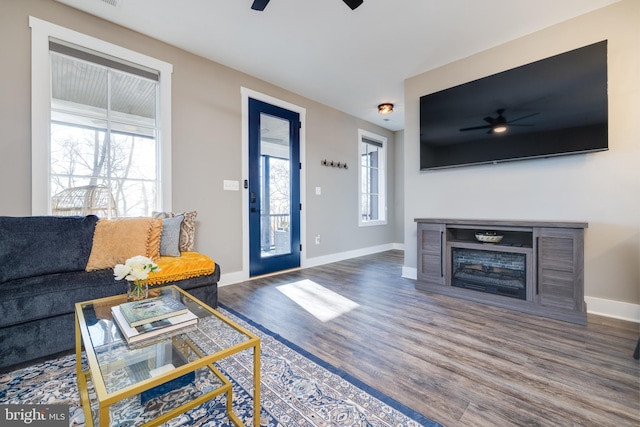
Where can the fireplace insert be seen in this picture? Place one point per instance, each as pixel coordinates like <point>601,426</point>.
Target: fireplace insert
<point>496,272</point>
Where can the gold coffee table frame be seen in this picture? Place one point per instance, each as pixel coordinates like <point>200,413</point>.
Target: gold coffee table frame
<point>180,339</point>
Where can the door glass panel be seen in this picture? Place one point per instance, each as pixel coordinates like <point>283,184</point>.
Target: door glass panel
<point>275,182</point>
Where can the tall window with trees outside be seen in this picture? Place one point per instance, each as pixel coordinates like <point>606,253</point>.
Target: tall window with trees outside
<point>103,135</point>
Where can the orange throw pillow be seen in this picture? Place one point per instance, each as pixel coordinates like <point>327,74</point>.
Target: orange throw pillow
<point>116,240</point>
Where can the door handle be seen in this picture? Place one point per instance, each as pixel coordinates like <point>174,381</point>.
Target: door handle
<point>254,210</point>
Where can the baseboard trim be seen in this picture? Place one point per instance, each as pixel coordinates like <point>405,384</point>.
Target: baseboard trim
<point>410,273</point>
<point>232,278</point>
<point>614,309</point>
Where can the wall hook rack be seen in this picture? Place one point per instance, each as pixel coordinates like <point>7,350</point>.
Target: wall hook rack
<point>334,164</point>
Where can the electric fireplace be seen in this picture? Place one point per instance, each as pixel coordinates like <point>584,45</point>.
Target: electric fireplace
<point>496,272</point>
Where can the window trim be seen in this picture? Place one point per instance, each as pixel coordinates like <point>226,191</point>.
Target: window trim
<point>41,33</point>
<point>364,135</point>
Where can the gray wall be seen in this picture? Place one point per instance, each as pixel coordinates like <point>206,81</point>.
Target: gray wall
<point>602,189</point>
<point>206,138</point>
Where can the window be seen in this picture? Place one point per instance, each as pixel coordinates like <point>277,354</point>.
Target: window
<point>373,183</point>
<point>100,127</point>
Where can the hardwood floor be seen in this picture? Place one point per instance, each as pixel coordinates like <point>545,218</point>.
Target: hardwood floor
<point>456,362</point>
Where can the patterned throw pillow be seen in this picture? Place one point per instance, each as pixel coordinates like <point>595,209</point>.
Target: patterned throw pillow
<point>187,228</point>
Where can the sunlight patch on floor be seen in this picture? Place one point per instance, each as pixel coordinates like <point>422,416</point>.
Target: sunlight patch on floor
<point>322,303</point>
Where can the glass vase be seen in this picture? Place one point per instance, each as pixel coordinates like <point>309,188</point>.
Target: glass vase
<point>137,290</point>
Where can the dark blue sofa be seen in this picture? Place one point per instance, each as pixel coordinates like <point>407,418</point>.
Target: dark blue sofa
<point>42,276</point>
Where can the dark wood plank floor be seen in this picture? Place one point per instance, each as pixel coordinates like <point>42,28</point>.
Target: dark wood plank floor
<point>456,362</point>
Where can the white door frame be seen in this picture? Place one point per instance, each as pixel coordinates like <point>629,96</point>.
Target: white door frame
<point>246,94</point>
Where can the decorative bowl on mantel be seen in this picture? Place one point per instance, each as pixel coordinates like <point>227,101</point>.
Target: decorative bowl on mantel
<point>489,237</point>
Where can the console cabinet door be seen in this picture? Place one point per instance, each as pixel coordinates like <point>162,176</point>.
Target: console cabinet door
<point>560,268</point>
<point>431,253</point>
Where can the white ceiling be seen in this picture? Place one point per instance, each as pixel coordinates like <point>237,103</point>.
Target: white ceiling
<point>351,60</point>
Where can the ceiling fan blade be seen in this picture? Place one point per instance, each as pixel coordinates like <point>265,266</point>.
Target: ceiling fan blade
<point>476,127</point>
<point>523,117</point>
<point>259,4</point>
<point>499,121</point>
<point>353,3</point>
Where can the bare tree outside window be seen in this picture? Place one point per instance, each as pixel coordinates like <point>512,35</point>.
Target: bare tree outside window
<point>280,190</point>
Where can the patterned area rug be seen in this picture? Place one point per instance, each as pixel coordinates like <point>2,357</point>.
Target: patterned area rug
<point>298,389</point>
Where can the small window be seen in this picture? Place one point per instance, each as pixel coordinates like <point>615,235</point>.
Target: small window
<point>373,181</point>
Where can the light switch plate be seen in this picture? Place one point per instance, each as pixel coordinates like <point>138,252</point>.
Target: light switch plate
<point>229,185</point>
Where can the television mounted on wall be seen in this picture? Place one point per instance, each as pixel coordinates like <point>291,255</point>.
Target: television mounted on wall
<point>552,107</point>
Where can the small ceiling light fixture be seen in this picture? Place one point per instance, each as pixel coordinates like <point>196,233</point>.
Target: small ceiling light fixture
<point>385,108</point>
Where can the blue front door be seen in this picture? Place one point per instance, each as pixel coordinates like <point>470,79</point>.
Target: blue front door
<point>274,188</point>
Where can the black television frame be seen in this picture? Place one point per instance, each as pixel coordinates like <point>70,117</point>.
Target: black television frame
<point>563,100</point>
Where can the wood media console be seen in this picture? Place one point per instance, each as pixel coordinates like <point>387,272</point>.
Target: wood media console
<point>536,267</point>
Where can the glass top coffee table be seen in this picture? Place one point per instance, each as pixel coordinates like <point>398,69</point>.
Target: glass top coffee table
<point>130,382</point>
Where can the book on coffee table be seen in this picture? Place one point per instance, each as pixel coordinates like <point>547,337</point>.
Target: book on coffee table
<point>140,371</point>
<point>149,310</point>
<point>151,329</point>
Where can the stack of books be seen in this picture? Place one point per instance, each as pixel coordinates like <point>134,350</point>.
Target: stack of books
<point>141,320</point>
<point>140,371</point>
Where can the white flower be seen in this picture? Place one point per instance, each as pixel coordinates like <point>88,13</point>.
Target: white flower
<point>120,271</point>
<point>135,268</point>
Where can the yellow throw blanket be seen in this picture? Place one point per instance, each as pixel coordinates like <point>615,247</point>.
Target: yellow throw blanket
<point>186,266</point>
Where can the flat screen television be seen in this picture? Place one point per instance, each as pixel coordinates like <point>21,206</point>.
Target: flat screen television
<point>552,107</point>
